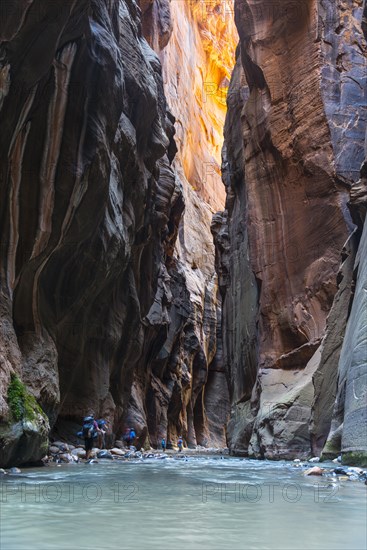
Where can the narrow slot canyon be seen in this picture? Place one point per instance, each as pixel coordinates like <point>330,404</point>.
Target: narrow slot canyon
<point>183,274</point>
<point>183,237</point>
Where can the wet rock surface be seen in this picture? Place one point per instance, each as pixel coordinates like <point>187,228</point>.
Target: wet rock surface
<point>77,455</point>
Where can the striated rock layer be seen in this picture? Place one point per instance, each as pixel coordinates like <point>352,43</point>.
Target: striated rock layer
<point>294,142</point>
<point>109,300</point>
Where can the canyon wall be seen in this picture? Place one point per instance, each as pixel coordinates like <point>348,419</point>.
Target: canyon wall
<point>348,431</point>
<point>190,38</point>
<point>294,144</point>
<point>197,65</point>
<point>109,299</point>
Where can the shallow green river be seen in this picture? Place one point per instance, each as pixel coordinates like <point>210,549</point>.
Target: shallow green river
<point>196,503</point>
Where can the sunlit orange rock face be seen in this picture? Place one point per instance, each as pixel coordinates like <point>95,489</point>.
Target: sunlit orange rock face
<point>293,146</point>
<point>197,64</point>
<point>196,45</point>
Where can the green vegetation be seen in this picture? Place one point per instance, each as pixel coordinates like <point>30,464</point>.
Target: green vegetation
<point>355,458</point>
<point>23,405</point>
<point>16,398</point>
<point>332,447</point>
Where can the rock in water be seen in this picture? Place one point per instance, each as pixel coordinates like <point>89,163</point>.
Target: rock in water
<point>104,454</point>
<point>54,450</point>
<point>66,457</point>
<point>355,470</point>
<point>80,453</point>
<point>118,452</point>
<point>315,471</point>
<point>340,471</point>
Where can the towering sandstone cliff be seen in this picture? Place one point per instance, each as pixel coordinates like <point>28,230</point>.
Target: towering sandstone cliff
<point>294,144</point>
<point>108,298</point>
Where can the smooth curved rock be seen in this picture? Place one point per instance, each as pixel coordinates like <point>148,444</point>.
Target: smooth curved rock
<point>324,378</point>
<point>84,125</point>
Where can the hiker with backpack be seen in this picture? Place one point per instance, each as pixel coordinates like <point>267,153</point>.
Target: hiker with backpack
<point>132,436</point>
<point>89,432</point>
<point>129,437</point>
<point>180,443</point>
<point>103,427</point>
<point>126,437</point>
<point>163,445</point>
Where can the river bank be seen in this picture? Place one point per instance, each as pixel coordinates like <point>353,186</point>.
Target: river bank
<point>61,453</point>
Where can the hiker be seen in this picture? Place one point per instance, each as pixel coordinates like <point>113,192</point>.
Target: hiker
<point>90,431</point>
<point>132,436</point>
<point>163,445</point>
<point>179,443</point>
<point>103,427</point>
<point>126,437</point>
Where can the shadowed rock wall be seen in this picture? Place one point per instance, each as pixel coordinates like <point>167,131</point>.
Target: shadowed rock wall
<point>189,393</point>
<point>348,431</point>
<point>293,147</point>
<point>101,310</point>
<point>87,209</point>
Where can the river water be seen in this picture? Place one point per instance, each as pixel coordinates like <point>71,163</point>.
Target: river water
<point>192,503</point>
